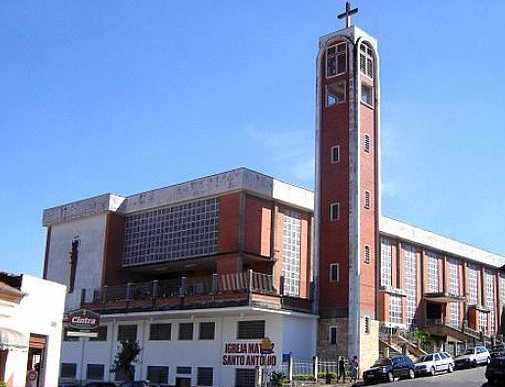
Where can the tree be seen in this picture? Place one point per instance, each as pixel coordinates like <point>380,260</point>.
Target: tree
<point>126,355</point>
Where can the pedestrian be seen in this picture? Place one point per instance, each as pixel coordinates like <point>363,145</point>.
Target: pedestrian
<point>341,368</point>
<point>355,368</point>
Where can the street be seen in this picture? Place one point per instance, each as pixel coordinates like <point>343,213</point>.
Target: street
<point>473,377</point>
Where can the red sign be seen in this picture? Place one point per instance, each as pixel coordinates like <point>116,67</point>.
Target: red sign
<point>83,320</point>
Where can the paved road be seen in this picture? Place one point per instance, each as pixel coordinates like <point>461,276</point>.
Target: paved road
<point>473,377</point>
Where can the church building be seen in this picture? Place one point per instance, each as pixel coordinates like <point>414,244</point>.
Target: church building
<point>223,275</point>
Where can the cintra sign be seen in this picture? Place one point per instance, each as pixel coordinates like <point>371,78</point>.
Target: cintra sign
<point>82,322</point>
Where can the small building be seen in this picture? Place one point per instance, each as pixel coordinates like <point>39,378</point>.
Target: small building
<point>31,315</point>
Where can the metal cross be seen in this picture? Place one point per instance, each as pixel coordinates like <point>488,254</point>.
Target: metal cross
<point>347,14</point>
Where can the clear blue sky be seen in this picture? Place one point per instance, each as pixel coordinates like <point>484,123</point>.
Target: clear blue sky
<point>126,96</point>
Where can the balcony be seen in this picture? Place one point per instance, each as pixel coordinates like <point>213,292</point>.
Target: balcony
<point>215,291</point>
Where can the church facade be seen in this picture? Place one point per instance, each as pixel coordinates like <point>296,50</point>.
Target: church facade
<point>227,274</point>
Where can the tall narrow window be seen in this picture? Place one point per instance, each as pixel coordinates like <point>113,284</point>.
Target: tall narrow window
<point>335,211</point>
<point>366,203</point>
<point>336,60</point>
<point>366,254</point>
<point>454,268</point>
<point>366,145</point>
<point>367,324</point>
<point>291,252</point>
<point>410,264</point>
<point>433,260</point>
<point>386,261</point>
<point>332,335</point>
<point>334,272</point>
<point>490,298</point>
<point>395,309</point>
<point>366,60</point>
<point>473,284</point>
<point>335,154</point>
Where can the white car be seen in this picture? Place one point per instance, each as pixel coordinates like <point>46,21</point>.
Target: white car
<point>473,357</point>
<point>434,363</point>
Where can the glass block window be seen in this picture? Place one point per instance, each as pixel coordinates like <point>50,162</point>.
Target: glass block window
<point>386,261</point>
<point>254,329</point>
<point>432,263</point>
<point>160,331</point>
<point>68,370</point>
<point>473,284</point>
<point>245,377</point>
<point>127,333</point>
<point>453,267</point>
<point>490,297</point>
<point>207,330</point>
<point>205,376</point>
<point>395,309</point>
<point>501,279</point>
<point>171,233</point>
<point>336,60</point>
<point>95,371</point>
<point>291,252</point>
<point>410,282</point>
<point>186,331</point>
<point>483,321</point>
<point>157,374</point>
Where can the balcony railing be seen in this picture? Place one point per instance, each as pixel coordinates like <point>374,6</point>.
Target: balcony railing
<point>244,288</point>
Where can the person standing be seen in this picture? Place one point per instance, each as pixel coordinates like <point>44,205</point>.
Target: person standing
<point>355,369</point>
<point>341,368</point>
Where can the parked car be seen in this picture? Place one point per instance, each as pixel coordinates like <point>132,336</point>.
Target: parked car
<point>495,370</point>
<point>473,357</point>
<point>389,369</point>
<point>434,363</point>
<point>497,350</point>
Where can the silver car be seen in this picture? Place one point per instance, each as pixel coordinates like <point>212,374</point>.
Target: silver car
<point>434,363</point>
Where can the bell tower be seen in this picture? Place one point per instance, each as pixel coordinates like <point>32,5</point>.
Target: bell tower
<point>347,191</point>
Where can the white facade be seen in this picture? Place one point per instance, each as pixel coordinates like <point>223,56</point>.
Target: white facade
<point>40,313</point>
<point>288,332</point>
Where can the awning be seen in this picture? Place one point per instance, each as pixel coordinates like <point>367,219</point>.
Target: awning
<point>13,340</point>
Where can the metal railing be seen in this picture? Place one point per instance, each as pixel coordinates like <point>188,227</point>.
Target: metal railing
<point>244,282</point>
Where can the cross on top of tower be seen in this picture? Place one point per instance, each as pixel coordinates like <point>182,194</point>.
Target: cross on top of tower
<point>347,14</point>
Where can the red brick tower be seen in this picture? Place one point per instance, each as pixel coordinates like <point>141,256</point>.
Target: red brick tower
<point>347,191</point>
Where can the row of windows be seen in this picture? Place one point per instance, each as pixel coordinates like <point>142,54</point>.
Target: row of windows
<point>333,331</point>
<point>334,272</point>
<point>155,374</point>
<point>474,277</point>
<point>335,207</point>
<point>336,93</point>
<point>335,149</point>
<point>336,60</point>
<point>254,329</point>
